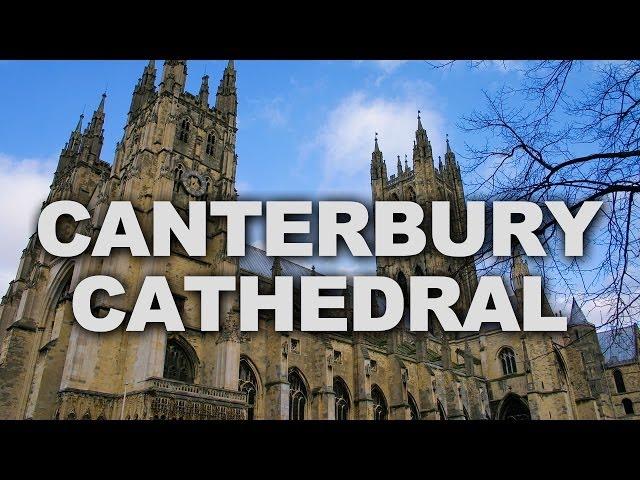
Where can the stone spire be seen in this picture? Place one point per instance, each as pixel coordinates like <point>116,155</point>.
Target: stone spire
<point>72,146</point>
<point>378,167</point>
<point>93,136</point>
<point>204,90</point>
<point>399,166</point>
<point>421,145</point>
<point>227,95</point>
<point>449,156</point>
<point>144,89</point>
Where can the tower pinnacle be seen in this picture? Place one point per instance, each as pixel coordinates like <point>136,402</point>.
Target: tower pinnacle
<point>204,90</point>
<point>226,97</point>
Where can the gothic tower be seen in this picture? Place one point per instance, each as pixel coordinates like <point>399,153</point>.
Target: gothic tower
<point>175,147</point>
<point>423,183</point>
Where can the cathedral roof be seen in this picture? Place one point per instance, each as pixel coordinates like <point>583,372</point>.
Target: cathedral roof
<point>619,345</point>
<point>577,316</point>
<point>257,262</point>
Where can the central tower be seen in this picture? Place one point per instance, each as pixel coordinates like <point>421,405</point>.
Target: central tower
<point>423,183</point>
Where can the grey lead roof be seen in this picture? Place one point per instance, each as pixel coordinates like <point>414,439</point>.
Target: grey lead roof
<point>620,345</point>
<point>257,262</point>
<point>577,315</point>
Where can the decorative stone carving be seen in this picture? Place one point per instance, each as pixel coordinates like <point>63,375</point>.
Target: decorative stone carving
<point>330,359</point>
<point>230,329</point>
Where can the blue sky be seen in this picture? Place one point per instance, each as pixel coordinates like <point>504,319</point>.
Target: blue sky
<point>305,127</point>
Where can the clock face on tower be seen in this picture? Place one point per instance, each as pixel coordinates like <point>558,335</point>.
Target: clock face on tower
<point>194,183</point>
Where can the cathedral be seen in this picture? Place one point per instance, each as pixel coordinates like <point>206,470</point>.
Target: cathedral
<point>179,147</point>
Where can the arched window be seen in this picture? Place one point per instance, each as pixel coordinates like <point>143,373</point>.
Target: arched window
<point>297,396</point>
<point>380,411</point>
<point>418,271</point>
<point>177,176</point>
<point>411,195</point>
<point>342,399</point>
<point>248,384</point>
<point>562,368</point>
<point>413,407</point>
<point>514,408</point>
<point>185,125</point>
<point>441,413</point>
<point>211,141</point>
<point>508,359</point>
<point>177,364</point>
<point>465,413</point>
<point>619,380</point>
<point>628,406</point>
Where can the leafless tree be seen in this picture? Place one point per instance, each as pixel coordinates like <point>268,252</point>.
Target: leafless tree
<point>570,131</point>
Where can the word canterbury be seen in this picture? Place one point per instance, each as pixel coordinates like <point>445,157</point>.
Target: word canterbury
<point>398,232</point>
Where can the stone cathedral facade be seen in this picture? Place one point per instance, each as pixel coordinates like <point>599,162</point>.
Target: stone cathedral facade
<point>179,147</point>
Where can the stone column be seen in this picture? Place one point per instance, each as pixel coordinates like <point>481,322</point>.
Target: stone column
<point>227,363</point>
<point>277,374</point>
<point>362,395</point>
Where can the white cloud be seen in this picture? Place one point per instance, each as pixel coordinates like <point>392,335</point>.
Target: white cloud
<point>386,67</point>
<point>345,141</point>
<point>389,66</point>
<point>24,185</point>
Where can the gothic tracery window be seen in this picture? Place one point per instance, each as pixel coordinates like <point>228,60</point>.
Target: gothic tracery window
<point>342,399</point>
<point>211,141</point>
<point>248,383</point>
<point>297,396</point>
<point>380,411</point>
<point>177,364</point>
<point>413,407</point>
<point>508,359</point>
<point>185,125</point>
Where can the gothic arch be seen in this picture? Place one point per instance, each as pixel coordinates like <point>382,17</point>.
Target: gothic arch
<point>442,414</point>
<point>627,405</point>
<point>181,361</point>
<point>342,399</point>
<point>184,128</point>
<point>619,381</point>
<point>411,194</point>
<point>380,408</point>
<point>298,395</point>
<point>249,382</point>
<point>513,408</point>
<point>59,286</point>
<point>413,407</point>
<point>508,360</point>
<point>418,271</point>
<point>210,143</point>
<point>562,366</point>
